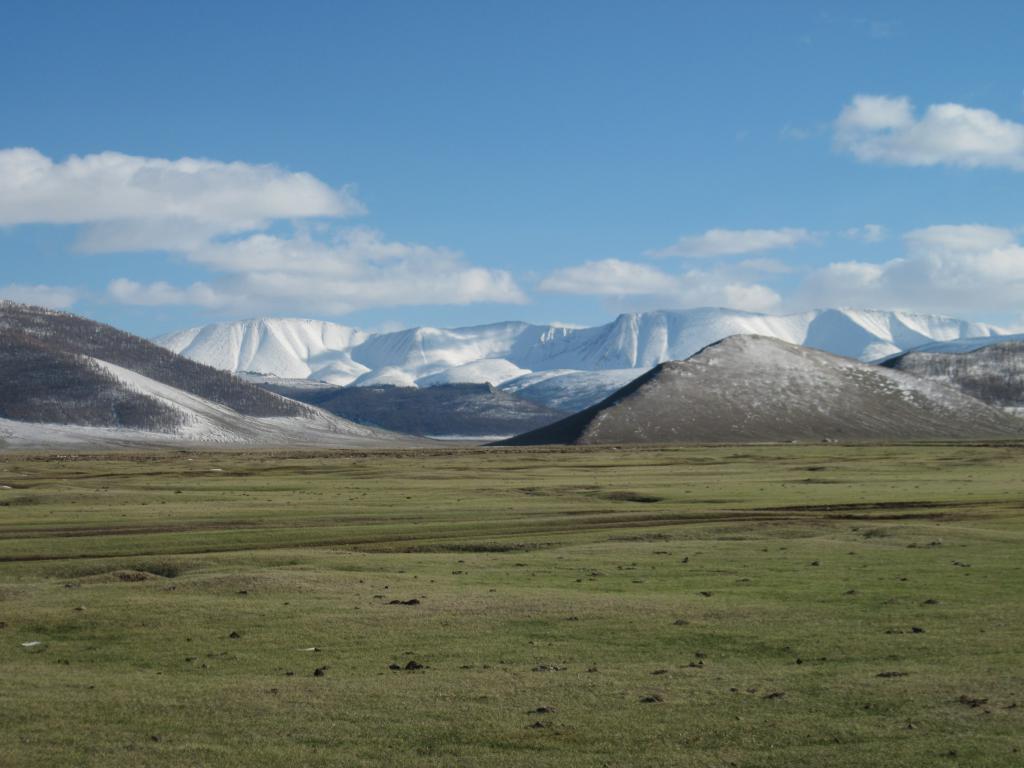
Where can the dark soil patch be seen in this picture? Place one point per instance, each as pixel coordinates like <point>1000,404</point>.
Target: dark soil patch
<point>633,496</point>
<point>971,701</point>
<point>484,546</point>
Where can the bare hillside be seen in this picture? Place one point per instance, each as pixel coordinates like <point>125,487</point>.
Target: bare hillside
<point>754,389</point>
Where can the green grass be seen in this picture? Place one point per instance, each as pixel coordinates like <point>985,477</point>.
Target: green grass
<point>756,592</point>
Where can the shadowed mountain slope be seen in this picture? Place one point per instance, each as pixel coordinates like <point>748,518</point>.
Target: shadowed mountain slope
<point>68,380</point>
<point>70,334</point>
<point>41,384</point>
<point>993,373</point>
<point>466,410</point>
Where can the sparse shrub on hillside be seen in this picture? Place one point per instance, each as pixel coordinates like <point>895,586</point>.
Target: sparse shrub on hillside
<point>62,333</point>
<point>993,374</point>
<point>39,384</point>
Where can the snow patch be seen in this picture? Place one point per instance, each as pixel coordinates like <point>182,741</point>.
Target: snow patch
<point>203,422</point>
<point>491,371</point>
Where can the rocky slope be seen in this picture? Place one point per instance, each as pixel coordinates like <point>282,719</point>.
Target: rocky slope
<point>756,389</point>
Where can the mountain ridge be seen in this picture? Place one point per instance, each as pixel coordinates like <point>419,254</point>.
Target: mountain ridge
<point>759,389</point>
<point>631,340</point>
<point>991,372</point>
<point>70,380</point>
<point>505,352</point>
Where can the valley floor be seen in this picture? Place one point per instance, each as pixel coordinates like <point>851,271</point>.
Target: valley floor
<point>731,606</point>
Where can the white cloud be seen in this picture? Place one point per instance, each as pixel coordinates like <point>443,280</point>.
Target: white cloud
<point>869,233</point>
<point>959,238</point>
<point>694,288</point>
<point>51,296</point>
<point>218,215</point>
<point>733,242</point>
<point>752,297</point>
<point>159,293</point>
<point>174,235</point>
<point>946,269</point>
<point>885,130</point>
<point>355,270</point>
<point>135,203</point>
<point>608,277</point>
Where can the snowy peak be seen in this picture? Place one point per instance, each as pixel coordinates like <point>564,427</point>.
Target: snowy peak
<point>871,334</point>
<point>661,336</point>
<point>426,351</point>
<point>499,352</point>
<point>288,348</point>
<point>966,344</point>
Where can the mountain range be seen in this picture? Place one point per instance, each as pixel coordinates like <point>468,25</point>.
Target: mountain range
<point>69,381</point>
<point>549,364</point>
<point>755,389</point>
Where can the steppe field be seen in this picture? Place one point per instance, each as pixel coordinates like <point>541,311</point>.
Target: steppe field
<point>797,605</point>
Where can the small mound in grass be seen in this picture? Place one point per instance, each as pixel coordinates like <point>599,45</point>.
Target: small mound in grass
<point>122,574</point>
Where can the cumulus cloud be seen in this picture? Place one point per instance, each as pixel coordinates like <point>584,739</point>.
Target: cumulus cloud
<point>733,242</point>
<point>619,279</point>
<point>51,296</point>
<point>357,269</point>
<point>608,277</point>
<point>134,203</point>
<point>219,215</point>
<point>944,269</point>
<point>959,239</point>
<point>884,129</point>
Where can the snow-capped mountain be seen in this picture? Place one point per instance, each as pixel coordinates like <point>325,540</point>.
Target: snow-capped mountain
<point>502,353</point>
<point>286,348</point>
<point>967,344</point>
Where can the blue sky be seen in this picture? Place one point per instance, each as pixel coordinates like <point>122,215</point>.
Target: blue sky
<point>403,163</point>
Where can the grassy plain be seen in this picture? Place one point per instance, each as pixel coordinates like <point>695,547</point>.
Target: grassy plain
<point>731,606</point>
